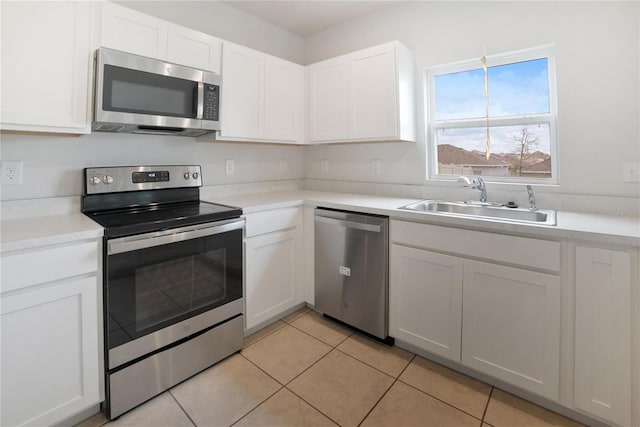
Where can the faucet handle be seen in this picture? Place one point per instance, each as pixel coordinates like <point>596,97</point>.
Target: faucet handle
<point>466,181</point>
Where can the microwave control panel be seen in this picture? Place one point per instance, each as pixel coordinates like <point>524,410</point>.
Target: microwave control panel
<point>211,102</point>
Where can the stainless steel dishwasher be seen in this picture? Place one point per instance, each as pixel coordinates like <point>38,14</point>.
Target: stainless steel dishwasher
<point>351,269</point>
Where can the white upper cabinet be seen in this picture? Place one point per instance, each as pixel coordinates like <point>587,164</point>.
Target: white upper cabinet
<point>46,58</point>
<point>283,99</point>
<point>366,95</point>
<point>328,101</point>
<point>193,49</point>
<point>135,32</point>
<point>262,97</point>
<point>241,98</point>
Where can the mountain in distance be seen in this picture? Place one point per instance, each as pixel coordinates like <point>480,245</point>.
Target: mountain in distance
<point>450,154</point>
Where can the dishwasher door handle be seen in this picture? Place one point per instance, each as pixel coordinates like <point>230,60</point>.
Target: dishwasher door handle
<point>349,224</point>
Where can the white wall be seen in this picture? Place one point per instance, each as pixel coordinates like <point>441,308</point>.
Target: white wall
<point>53,164</point>
<point>597,48</point>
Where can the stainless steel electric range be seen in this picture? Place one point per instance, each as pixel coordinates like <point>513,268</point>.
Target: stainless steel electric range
<point>173,270</point>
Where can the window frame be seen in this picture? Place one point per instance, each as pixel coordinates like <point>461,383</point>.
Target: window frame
<point>551,118</point>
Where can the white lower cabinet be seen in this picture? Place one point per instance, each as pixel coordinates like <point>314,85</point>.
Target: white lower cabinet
<point>502,321</point>
<point>51,339</point>
<point>604,334</point>
<point>426,300</point>
<point>274,264</point>
<point>511,326</point>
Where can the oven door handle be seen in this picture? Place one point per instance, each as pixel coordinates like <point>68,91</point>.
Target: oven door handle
<point>148,240</point>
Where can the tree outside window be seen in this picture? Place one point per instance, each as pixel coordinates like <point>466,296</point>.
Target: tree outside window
<point>504,129</point>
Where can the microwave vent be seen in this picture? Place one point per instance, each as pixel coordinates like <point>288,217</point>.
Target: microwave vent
<point>108,127</point>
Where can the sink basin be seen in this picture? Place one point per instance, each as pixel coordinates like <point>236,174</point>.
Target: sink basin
<point>484,210</point>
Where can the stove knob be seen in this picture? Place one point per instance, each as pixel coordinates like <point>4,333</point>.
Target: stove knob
<point>186,175</point>
<point>107,179</point>
<point>195,175</point>
<point>94,180</point>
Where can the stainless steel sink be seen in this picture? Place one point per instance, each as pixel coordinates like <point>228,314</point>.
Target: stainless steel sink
<point>484,210</point>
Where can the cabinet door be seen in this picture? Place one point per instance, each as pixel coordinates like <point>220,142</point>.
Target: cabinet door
<point>425,300</point>
<point>273,275</point>
<point>49,352</point>
<point>46,57</point>
<point>603,333</point>
<point>131,31</point>
<point>511,326</point>
<point>373,95</point>
<point>193,49</point>
<point>328,101</point>
<point>242,95</point>
<point>283,106</point>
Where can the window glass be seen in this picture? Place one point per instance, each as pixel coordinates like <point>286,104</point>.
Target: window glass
<point>512,139</point>
<point>518,151</point>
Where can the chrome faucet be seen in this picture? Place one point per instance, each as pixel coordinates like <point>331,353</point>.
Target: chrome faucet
<point>476,184</point>
<point>532,199</point>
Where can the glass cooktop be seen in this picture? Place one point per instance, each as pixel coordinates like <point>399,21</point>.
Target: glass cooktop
<point>155,218</point>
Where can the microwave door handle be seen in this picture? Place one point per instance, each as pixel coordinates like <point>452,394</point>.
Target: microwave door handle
<point>200,101</point>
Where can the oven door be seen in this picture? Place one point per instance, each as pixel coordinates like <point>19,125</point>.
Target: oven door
<point>164,286</point>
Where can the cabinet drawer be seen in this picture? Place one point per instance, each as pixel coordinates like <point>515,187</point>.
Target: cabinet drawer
<point>274,220</point>
<point>31,268</point>
<point>528,252</point>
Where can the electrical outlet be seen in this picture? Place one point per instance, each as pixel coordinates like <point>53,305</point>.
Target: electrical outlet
<point>11,172</point>
<point>284,166</point>
<point>375,167</point>
<point>631,171</point>
<point>324,166</point>
<point>230,167</point>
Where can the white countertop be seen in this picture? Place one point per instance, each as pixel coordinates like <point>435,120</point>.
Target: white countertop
<point>36,231</point>
<point>32,232</point>
<point>574,225</point>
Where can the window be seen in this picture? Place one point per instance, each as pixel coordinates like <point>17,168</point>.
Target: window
<point>494,116</point>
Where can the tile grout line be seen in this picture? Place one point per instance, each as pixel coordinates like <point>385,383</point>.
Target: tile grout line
<point>314,337</point>
<point>266,335</point>
<point>260,369</point>
<point>300,397</point>
<point>395,380</point>
<point>440,400</point>
<point>183,410</point>
<point>371,366</point>
<point>258,405</point>
<point>486,407</point>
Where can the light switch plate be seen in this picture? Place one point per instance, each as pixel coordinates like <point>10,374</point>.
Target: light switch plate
<point>375,167</point>
<point>230,167</point>
<point>324,166</point>
<point>631,171</point>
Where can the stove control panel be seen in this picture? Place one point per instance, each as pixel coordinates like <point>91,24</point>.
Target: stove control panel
<point>136,178</point>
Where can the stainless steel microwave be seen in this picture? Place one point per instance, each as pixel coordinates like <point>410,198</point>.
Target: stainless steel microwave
<point>135,94</point>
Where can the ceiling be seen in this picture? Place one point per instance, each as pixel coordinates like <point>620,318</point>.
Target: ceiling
<point>307,17</point>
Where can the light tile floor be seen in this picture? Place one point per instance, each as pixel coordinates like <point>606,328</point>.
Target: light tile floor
<point>307,371</point>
